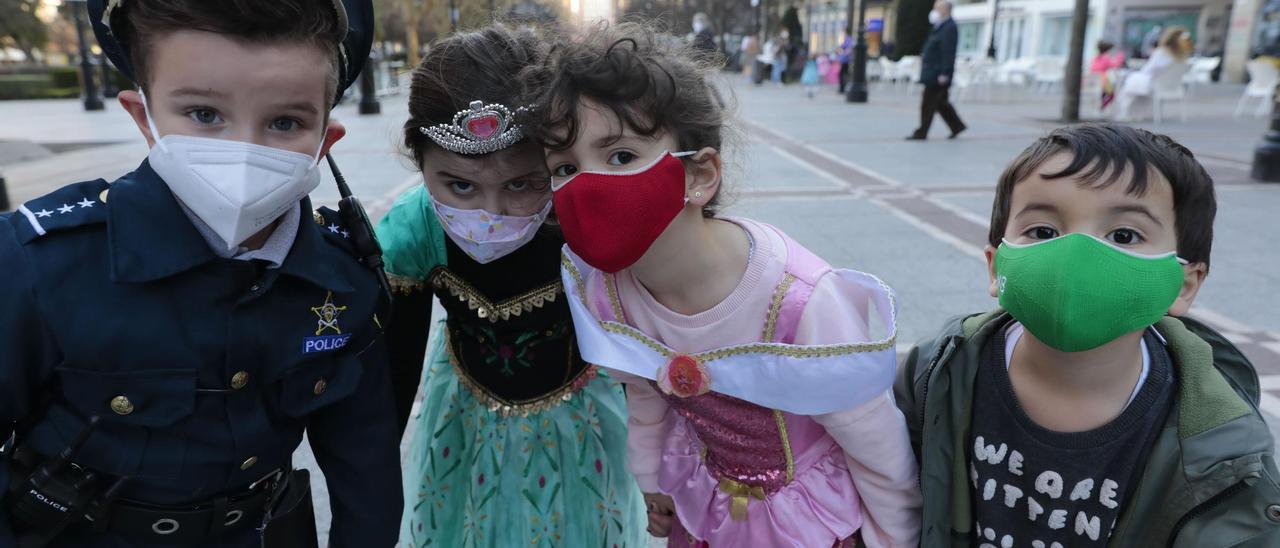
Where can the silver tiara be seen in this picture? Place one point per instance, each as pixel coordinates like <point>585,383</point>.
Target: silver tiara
<point>480,129</point>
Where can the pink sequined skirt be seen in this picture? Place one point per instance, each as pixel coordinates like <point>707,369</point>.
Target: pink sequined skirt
<point>818,508</point>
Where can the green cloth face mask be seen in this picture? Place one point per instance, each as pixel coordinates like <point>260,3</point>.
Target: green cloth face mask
<point>1077,292</point>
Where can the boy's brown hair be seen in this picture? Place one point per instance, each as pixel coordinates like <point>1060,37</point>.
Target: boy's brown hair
<point>253,21</point>
<point>1104,154</point>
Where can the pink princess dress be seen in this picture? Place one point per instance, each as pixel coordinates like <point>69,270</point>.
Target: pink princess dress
<point>769,419</point>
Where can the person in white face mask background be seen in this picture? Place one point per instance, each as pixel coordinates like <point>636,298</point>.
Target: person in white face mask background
<point>938,62</point>
<point>194,317</point>
<point>504,366</point>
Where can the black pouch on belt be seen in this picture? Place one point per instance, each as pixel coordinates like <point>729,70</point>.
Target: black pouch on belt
<point>291,522</point>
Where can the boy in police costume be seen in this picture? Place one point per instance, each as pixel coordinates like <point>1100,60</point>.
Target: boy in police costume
<point>168,336</point>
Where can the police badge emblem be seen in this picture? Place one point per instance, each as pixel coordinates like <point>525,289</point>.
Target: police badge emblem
<point>327,320</point>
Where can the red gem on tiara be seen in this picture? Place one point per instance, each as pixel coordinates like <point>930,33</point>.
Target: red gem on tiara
<point>484,126</point>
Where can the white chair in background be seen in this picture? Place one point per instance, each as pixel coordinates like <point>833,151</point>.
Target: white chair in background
<point>961,80</point>
<point>1091,92</point>
<point>1263,77</point>
<point>909,70</point>
<point>1016,71</point>
<point>888,70</point>
<point>1048,72</point>
<point>1202,70</point>
<point>1167,86</point>
<point>874,72</point>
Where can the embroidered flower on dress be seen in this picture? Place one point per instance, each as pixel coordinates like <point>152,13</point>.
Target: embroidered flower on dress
<point>684,376</point>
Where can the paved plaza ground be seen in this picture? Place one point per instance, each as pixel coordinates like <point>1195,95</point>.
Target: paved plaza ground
<point>839,178</point>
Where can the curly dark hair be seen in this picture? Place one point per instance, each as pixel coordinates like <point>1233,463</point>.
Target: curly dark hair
<point>653,83</point>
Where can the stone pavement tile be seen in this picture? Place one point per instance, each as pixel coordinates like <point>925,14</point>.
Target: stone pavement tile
<point>63,121</point>
<point>937,163</point>
<point>12,152</point>
<point>933,280</point>
<point>759,167</point>
<point>27,180</point>
<point>1244,279</point>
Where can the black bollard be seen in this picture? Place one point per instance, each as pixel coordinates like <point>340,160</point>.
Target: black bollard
<point>368,92</point>
<point>1266,157</point>
<point>90,89</point>
<point>4,195</point>
<point>858,68</point>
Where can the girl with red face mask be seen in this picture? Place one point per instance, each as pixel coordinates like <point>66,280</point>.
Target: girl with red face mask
<point>758,377</point>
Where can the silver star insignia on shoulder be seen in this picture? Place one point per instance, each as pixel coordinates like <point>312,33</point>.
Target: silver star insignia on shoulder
<point>44,213</point>
<point>84,203</point>
<point>65,209</point>
<point>333,228</point>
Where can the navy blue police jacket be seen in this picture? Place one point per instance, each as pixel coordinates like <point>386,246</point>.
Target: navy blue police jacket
<point>204,371</point>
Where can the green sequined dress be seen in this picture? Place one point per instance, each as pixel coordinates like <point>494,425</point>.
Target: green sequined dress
<point>517,441</point>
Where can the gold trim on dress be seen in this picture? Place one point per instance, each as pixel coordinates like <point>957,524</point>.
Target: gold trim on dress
<point>777,349</point>
<point>523,408</point>
<point>488,310</point>
<point>404,285</point>
<point>786,444</point>
<point>611,285</point>
<point>775,308</point>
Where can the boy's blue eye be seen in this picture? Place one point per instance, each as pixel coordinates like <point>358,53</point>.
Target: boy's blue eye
<point>203,116</point>
<point>284,124</point>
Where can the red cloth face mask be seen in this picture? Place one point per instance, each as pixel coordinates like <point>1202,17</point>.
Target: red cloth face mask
<point>610,218</point>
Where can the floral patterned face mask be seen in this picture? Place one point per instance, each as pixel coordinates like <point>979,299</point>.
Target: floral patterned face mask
<point>484,236</point>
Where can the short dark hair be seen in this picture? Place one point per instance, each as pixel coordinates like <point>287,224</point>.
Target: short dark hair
<point>652,84</point>
<point>471,66</point>
<point>1103,154</point>
<point>254,21</point>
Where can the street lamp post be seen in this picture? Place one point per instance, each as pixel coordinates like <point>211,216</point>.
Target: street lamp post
<point>453,17</point>
<point>89,87</point>
<point>995,12</point>
<point>858,80</point>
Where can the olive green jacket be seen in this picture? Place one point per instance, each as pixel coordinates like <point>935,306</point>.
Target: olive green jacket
<point>1210,480</point>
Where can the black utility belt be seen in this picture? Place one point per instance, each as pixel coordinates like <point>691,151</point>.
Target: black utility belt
<point>191,524</point>
<point>49,497</point>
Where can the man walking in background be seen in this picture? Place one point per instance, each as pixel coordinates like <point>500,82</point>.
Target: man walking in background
<point>938,60</point>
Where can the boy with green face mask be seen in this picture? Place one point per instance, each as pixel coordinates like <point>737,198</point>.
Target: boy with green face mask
<point>1087,411</point>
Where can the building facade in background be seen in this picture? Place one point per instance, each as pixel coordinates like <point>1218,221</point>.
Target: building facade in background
<point>1040,28</point>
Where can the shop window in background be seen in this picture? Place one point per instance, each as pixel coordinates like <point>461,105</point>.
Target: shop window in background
<point>1055,35</point>
<point>970,37</point>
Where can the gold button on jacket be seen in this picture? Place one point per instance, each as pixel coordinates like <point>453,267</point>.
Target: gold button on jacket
<point>121,405</point>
